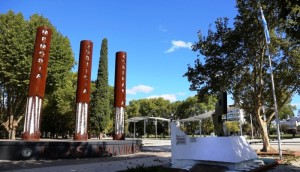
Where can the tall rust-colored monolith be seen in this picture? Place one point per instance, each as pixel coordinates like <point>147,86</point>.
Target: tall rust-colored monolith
<point>37,84</point>
<point>120,95</point>
<point>83,90</point>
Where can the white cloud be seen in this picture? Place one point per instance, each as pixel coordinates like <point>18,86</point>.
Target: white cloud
<point>179,44</point>
<point>162,28</point>
<point>139,88</point>
<point>171,97</point>
<point>181,93</point>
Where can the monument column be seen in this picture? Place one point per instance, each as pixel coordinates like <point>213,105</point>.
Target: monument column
<point>83,89</point>
<point>37,84</point>
<point>120,95</point>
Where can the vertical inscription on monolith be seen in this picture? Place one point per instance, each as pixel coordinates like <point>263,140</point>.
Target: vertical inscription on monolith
<point>37,84</point>
<point>120,95</point>
<point>83,89</point>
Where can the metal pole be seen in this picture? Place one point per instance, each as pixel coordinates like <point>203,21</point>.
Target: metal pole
<point>134,130</point>
<point>272,80</point>
<point>155,128</point>
<point>169,128</point>
<point>144,127</point>
<point>200,127</point>
<point>275,105</point>
<point>251,126</point>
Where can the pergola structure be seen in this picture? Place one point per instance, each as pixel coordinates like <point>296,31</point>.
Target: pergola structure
<point>207,115</point>
<point>193,118</point>
<point>198,118</point>
<point>145,118</point>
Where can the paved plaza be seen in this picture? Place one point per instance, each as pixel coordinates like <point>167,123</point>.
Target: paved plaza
<point>155,152</point>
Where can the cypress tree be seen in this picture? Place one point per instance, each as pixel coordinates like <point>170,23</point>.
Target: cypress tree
<point>100,110</point>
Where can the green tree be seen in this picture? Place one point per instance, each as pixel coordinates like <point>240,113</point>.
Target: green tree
<point>158,107</point>
<point>232,126</point>
<point>14,69</point>
<point>235,60</point>
<point>16,48</point>
<point>100,107</point>
<point>154,107</point>
<point>59,108</point>
<point>207,126</point>
<point>246,127</point>
<point>192,106</point>
<point>289,14</point>
<point>59,102</point>
<point>287,111</point>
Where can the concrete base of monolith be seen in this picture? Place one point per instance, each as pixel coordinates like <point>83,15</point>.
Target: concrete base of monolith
<point>66,149</point>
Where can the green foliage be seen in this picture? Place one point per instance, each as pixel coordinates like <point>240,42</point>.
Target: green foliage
<point>287,111</point>
<point>207,126</point>
<point>59,103</point>
<point>156,107</point>
<point>246,127</point>
<point>235,59</point>
<point>100,104</point>
<point>17,37</point>
<point>15,61</point>
<point>232,126</point>
<point>289,12</point>
<point>159,107</point>
<point>59,108</point>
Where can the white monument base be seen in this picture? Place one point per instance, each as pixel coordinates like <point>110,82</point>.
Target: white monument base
<point>233,152</point>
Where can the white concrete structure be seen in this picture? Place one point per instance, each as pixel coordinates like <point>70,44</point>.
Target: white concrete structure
<point>233,152</point>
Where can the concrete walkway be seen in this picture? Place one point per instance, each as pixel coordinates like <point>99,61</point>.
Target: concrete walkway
<point>155,153</point>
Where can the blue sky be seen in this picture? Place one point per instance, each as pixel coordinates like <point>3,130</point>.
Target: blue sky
<point>156,34</point>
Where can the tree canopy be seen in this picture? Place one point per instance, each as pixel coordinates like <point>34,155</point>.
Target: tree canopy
<point>235,60</point>
<point>159,107</point>
<point>17,37</point>
<point>100,104</point>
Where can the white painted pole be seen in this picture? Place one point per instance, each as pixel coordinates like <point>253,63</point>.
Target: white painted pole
<point>272,80</point>
<point>275,106</point>
<point>251,126</point>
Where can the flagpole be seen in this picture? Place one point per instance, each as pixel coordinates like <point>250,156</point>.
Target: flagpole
<point>275,106</point>
<point>273,85</point>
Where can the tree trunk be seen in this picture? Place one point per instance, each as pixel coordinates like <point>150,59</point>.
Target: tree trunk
<point>265,137</point>
<point>11,125</point>
<point>12,133</point>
